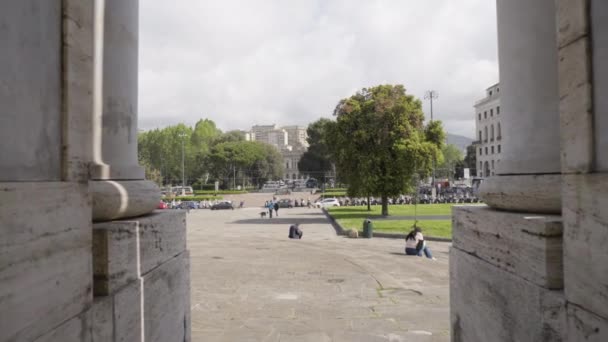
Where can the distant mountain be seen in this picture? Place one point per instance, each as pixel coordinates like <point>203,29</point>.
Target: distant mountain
<point>460,141</point>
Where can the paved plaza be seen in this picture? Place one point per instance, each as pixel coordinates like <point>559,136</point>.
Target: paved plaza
<point>251,283</point>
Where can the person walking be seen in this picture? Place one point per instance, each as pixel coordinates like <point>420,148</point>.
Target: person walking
<point>276,208</point>
<point>415,244</point>
<point>270,208</point>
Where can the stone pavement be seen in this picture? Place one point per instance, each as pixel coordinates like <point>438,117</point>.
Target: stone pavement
<point>251,283</point>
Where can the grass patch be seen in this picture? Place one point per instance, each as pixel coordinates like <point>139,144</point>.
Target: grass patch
<point>433,228</point>
<point>393,210</point>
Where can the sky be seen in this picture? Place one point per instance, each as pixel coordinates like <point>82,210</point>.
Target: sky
<point>289,62</point>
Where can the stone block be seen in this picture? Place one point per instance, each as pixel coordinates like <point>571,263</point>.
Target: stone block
<point>585,216</point>
<point>118,317</point>
<point>522,244</point>
<point>125,250</point>
<point>572,20</point>
<point>584,326</point>
<point>167,301</point>
<point>490,304</point>
<point>576,107</point>
<point>45,257</point>
<point>77,329</point>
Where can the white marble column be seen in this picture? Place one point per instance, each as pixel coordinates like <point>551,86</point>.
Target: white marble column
<point>118,185</point>
<point>528,177</point>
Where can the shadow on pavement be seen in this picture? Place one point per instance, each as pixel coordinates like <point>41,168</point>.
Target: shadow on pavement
<point>281,220</point>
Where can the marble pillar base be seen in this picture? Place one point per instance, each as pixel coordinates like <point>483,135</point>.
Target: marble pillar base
<point>114,200</point>
<point>523,193</point>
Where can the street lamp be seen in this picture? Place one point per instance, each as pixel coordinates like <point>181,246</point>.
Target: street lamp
<point>183,136</point>
<point>431,95</point>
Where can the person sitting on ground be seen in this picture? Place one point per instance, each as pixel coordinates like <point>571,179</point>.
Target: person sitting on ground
<point>415,244</point>
<point>295,232</point>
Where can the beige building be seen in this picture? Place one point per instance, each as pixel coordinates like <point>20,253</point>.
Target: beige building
<point>290,140</point>
<point>489,141</point>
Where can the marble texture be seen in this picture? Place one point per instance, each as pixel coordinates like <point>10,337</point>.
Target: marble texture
<point>527,245</point>
<point>30,91</point>
<point>490,304</point>
<point>585,240</point>
<point>45,256</point>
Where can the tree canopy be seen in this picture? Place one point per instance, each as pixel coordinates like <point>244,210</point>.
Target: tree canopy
<point>379,141</point>
<point>209,155</point>
<point>317,159</point>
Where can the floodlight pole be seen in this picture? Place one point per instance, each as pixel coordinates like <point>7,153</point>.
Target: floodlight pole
<point>430,95</point>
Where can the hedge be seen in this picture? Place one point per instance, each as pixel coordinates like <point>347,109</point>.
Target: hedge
<point>221,192</point>
<point>194,198</point>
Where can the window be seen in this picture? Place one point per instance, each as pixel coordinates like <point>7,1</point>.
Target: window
<point>485,135</point>
<point>492,133</point>
<point>287,165</point>
<point>480,165</point>
<point>492,112</point>
<point>492,165</point>
<point>497,90</point>
<point>498,135</point>
<point>490,93</point>
<point>479,136</point>
<point>485,115</point>
<point>498,148</point>
<point>486,150</point>
<point>497,110</point>
<point>492,148</point>
<point>480,151</point>
<point>479,115</point>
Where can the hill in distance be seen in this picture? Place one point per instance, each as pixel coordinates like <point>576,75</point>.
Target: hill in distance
<point>458,140</point>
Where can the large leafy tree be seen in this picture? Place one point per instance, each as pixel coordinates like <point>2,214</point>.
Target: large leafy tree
<point>317,159</point>
<point>380,141</point>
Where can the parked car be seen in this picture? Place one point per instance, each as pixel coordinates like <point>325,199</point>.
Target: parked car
<point>222,205</point>
<point>328,202</point>
<point>188,205</point>
<point>285,203</point>
<point>162,205</point>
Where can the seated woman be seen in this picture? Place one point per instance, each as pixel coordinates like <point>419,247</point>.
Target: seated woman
<point>295,232</point>
<point>415,244</point>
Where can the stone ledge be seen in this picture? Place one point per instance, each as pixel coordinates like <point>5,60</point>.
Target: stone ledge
<point>45,256</point>
<point>585,240</point>
<point>125,250</point>
<point>525,245</point>
<point>490,304</point>
<point>523,193</point>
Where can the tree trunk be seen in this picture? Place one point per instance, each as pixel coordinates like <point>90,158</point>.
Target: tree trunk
<point>369,206</point>
<point>384,205</point>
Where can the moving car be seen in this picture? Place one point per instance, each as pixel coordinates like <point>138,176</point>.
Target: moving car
<point>222,205</point>
<point>328,202</point>
<point>162,205</point>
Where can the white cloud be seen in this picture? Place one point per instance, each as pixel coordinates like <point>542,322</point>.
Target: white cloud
<point>244,62</point>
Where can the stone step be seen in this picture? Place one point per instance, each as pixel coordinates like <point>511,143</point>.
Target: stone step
<point>524,244</point>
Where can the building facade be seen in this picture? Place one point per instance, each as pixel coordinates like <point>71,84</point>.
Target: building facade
<point>488,132</point>
<point>289,140</point>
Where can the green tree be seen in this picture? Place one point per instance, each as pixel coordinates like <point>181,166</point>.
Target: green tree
<point>470,160</point>
<point>452,159</point>
<point>317,159</point>
<point>379,142</point>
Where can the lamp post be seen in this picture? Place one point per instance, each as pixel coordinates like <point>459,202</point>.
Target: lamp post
<point>183,136</point>
<point>431,95</point>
